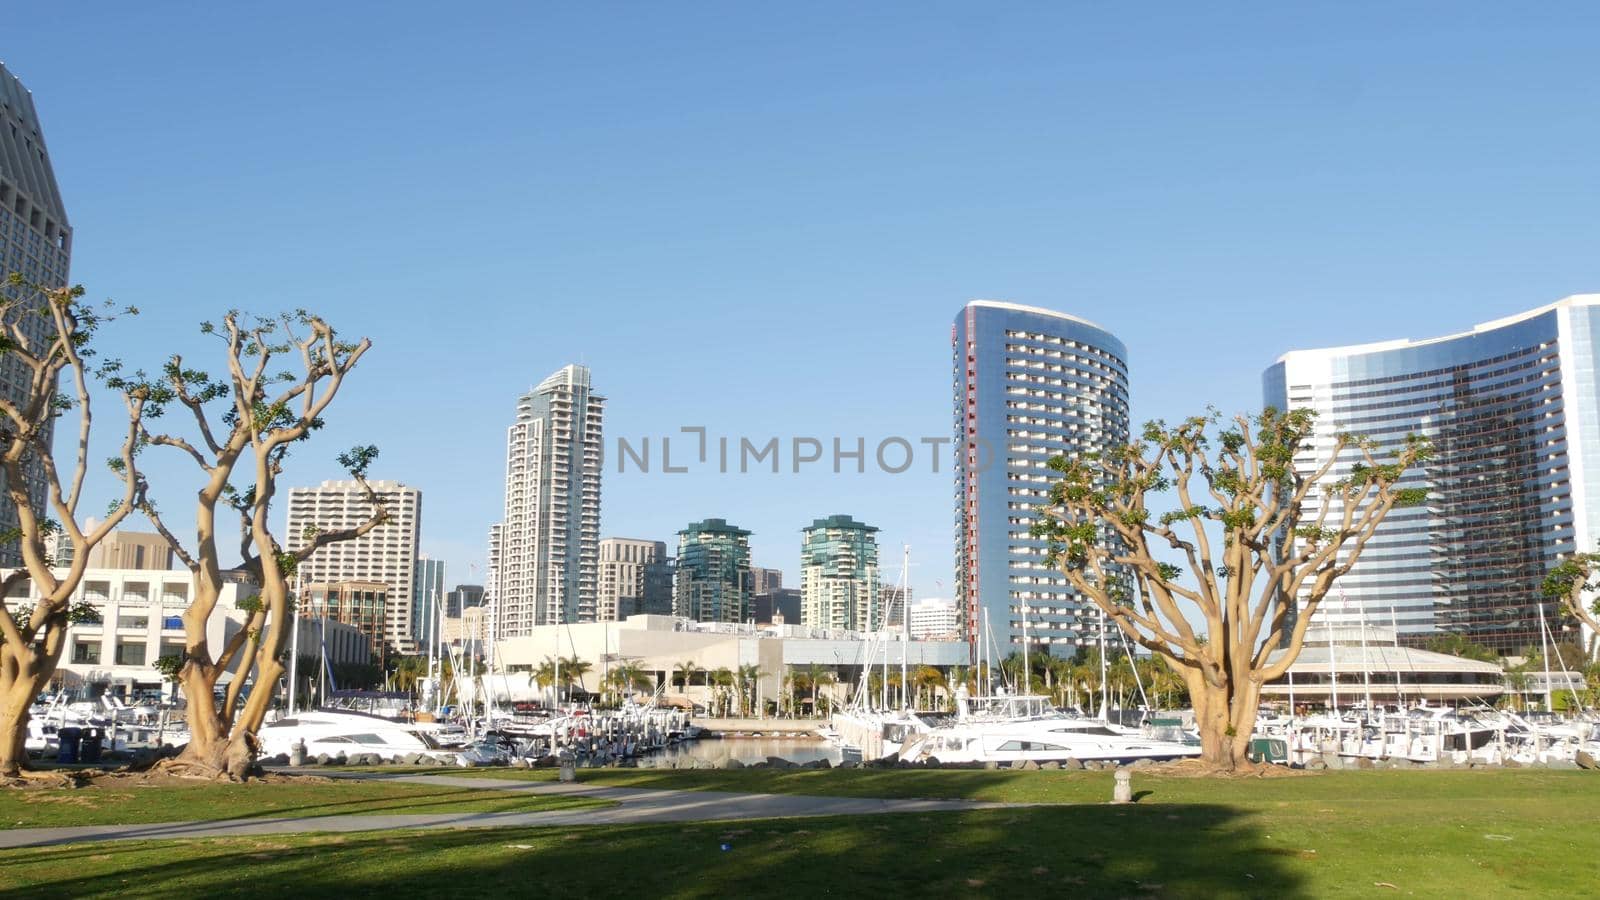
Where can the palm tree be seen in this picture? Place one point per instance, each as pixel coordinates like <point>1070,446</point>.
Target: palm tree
<point>930,680</point>
<point>723,679</point>
<point>408,671</point>
<point>685,672</point>
<point>545,674</point>
<point>573,669</point>
<point>748,675</point>
<point>629,677</point>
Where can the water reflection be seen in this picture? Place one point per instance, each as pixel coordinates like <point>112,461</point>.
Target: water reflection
<point>752,750</point>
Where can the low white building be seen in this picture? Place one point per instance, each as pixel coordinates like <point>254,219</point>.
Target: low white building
<point>660,645</point>
<point>140,620</point>
<point>935,619</point>
<point>1357,662</point>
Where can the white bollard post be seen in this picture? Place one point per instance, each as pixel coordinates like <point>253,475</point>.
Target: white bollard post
<point>1122,792</point>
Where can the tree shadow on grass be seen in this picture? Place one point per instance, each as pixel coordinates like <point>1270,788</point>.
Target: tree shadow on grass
<point>1195,851</point>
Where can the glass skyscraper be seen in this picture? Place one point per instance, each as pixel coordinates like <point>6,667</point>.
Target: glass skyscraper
<point>543,558</point>
<point>1030,384</point>
<point>1513,413</point>
<point>713,578</point>
<point>36,242</point>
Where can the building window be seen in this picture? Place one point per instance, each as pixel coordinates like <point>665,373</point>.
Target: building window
<point>86,652</point>
<point>130,653</point>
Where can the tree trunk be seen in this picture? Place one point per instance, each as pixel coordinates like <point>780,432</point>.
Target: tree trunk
<point>20,683</point>
<point>13,732</point>
<point>1225,719</point>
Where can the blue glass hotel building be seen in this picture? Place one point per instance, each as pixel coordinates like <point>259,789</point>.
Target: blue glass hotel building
<point>1513,412</point>
<point>1030,384</point>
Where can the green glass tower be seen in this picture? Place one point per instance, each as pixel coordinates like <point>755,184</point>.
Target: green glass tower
<point>839,575</point>
<point>713,580</point>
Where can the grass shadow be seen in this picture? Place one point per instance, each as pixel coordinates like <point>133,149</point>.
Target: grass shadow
<point>1215,851</point>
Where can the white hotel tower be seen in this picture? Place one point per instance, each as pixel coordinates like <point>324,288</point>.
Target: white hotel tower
<point>544,555</point>
<point>385,555</point>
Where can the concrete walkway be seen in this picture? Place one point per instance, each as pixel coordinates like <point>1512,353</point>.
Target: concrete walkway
<point>633,806</point>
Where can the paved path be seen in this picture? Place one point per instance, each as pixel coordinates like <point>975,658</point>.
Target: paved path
<point>632,805</point>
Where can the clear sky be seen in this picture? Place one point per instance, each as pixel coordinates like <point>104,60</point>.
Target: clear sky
<point>762,219</point>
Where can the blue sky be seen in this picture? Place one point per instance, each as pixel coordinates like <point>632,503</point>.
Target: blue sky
<point>763,220</point>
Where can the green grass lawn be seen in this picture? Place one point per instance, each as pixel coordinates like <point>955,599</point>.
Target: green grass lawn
<point>131,804</point>
<point>1433,834</point>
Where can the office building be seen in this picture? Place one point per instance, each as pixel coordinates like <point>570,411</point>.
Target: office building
<point>933,619</point>
<point>763,581</point>
<point>779,606</point>
<point>36,242</point>
<point>1512,410</point>
<point>839,575</point>
<point>546,552</point>
<point>635,578</point>
<point>893,599</point>
<point>385,555</point>
<point>713,576</point>
<point>363,605</point>
<point>465,596</point>
<point>1030,384</point>
<point>427,599</point>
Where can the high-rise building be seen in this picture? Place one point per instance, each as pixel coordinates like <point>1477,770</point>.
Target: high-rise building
<point>839,575</point>
<point>548,545</point>
<point>764,581</point>
<point>465,596</point>
<point>713,577</point>
<point>893,599</point>
<point>35,242</point>
<point>635,579</point>
<point>934,620</point>
<point>427,596</point>
<point>361,604</point>
<point>1030,384</point>
<point>1512,410</point>
<point>385,555</point>
<point>776,605</point>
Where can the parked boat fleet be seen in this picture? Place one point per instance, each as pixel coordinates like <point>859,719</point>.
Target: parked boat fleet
<point>587,736</point>
<point>1005,729</point>
<point>1439,734</point>
<point>1011,730</point>
<point>383,728</point>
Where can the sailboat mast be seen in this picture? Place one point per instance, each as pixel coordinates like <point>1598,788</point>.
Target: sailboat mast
<point>905,626</point>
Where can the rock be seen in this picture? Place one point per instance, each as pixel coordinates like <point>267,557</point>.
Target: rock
<point>824,764</point>
<point>1317,764</point>
<point>848,764</point>
<point>1586,760</point>
<point>991,764</point>
<point>731,763</point>
<point>933,763</point>
<point>1073,763</point>
<point>1030,766</point>
<point>1511,763</point>
<point>1563,764</point>
<point>778,762</point>
<point>322,759</point>
<point>1143,763</point>
<point>1050,766</point>
<point>1363,763</point>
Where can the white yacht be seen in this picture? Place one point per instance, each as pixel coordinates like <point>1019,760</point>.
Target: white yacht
<point>339,731</point>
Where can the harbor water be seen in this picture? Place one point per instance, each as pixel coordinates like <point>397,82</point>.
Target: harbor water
<point>751,750</point>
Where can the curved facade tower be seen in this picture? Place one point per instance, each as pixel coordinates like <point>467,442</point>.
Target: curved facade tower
<point>1513,412</point>
<point>1030,384</point>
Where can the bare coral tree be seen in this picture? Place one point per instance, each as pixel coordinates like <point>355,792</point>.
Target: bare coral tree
<point>244,424</point>
<point>1251,557</point>
<point>1574,583</point>
<point>53,361</point>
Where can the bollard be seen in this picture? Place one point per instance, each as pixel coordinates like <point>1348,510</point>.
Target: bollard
<point>1123,791</point>
<point>569,772</point>
<point>297,753</point>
